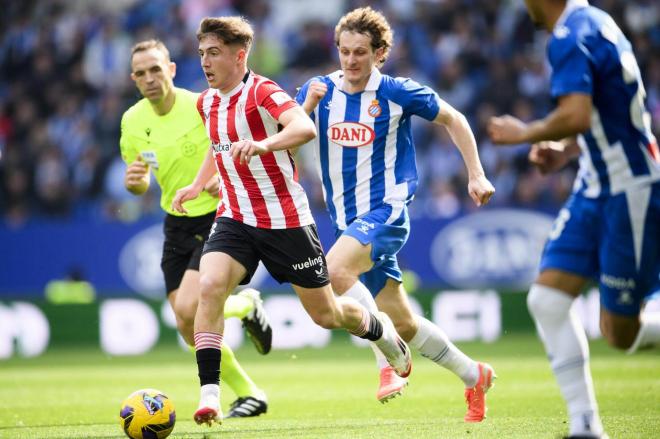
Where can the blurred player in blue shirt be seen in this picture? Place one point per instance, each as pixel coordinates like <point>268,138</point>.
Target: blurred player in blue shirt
<point>366,161</point>
<point>609,229</point>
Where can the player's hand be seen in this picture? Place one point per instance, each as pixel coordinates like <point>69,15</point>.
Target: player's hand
<point>136,176</point>
<point>548,156</point>
<point>213,186</point>
<point>243,150</point>
<point>315,93</point>
<point>506,130</point>
<point>184,194</point>
<point>480,190</point>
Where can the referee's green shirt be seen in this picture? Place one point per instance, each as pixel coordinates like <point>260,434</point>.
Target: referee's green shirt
<point>173,145</point>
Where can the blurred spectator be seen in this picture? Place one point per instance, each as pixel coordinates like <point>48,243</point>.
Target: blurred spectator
<point>64,83</point>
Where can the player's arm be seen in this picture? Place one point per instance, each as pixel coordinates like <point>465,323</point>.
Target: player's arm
<point>190,192</point>
<point>315,92</point>
<point>571,117</point>
<point>549,156</point>
<point>479,188</point>
<point>136,177</point>
<point>297,129</point>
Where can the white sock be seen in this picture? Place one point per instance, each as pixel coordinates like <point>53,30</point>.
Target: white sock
<point>649,331</point>
<point>361,294</point>
<point>210,396</point>
<point>567,348</point>
<point>432,343</point>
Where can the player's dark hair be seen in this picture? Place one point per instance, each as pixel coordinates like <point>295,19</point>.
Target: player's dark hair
<point>150,44</point>
<point>368,22</point>
<point>230,30</point>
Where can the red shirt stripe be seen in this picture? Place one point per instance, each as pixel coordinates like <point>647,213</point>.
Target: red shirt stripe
<point>270,164</point>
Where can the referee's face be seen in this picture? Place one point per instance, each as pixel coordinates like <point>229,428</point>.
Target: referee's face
<point>153,74</point>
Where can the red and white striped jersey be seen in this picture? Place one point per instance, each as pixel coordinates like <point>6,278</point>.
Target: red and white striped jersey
<point>265,193</point>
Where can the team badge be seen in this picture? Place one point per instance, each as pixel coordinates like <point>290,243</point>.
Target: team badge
<point>374,109</point>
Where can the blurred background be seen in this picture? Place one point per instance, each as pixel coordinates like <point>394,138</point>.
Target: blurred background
<point>70,232</point>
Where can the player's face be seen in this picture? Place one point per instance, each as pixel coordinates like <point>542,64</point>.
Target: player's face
<point>357,57</point>
<point>223,65</point>
<point>152,73</point>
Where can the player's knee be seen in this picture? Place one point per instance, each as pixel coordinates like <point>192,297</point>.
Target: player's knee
<point>211,288</point>
<point>340,277</point>
<point>617,338</point>
<point>545,303</point>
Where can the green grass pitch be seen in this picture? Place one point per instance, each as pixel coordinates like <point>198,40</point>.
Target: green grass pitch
<point>327,393</point>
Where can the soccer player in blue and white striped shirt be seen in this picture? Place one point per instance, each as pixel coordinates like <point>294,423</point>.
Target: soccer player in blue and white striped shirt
<point>366,161</point>
<point>609,229</point>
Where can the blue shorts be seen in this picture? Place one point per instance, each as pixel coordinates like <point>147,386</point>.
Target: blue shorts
<point>386,229</point>
<point>613,239</point>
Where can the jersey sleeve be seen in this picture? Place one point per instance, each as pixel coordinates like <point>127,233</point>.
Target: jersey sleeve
<point>200,104</point>
<point>275,100</point>
<point>128,152</point>
<point>416,99</point>
<point>571,71</point>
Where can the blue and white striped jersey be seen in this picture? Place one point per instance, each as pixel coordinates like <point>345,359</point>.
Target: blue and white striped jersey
<point>589,54</point>
<point>366,157</point>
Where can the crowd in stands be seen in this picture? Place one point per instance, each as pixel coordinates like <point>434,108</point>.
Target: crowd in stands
<point>64,84</point>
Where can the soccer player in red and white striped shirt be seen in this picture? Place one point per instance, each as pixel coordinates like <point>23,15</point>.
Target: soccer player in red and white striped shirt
<point>264,214</point>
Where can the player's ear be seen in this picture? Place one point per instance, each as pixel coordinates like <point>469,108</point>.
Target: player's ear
<point>172,67</point>
<point>133,77</point>
<point>241,55</point>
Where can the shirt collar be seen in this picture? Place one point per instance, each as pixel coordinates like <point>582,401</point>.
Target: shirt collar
<point>372,85</point>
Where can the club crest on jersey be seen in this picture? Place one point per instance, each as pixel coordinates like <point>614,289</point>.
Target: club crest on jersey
<point>220,147</point>
<point>374,109</point>
<point>351,134</point>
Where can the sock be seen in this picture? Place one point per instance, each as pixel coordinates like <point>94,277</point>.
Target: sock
<point>433,343</point>
<point>238,306</point>
<point>362,295</point>
<point>234,375</point>
<point>649,331</point>
<point>567,348</point>
<point>207,351</point>
<point>370,328</point>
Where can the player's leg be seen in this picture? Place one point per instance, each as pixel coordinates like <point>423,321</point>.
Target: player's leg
<point>332,312</point>
<point>184,302</point>
<point>630,267</point>
<point>432,342</point>
<point>296,256</point>
<point>569,260</point>
<point>347,260</point>
<point>219,275</point>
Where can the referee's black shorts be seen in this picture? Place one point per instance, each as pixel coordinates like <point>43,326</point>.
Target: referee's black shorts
<point>290,255</point>
<point>182,249</point>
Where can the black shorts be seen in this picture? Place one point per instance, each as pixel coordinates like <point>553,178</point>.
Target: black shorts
<point>182,249</point>
<point>290,255</point>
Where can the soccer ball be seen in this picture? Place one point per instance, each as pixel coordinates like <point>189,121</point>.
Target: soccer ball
<point>147,414</point>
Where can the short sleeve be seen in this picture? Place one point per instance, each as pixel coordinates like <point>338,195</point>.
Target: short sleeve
<point>275,100</point>
<point>128,152</point>
<point>571,70</point>
<point>415,98</point>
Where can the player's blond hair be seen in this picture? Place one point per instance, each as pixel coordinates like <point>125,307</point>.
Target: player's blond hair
<point>150,44</point>
<point>368,22</point>
<point>230,30</point>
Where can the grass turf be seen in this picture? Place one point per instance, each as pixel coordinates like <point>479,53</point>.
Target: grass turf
<point>327,393</point>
